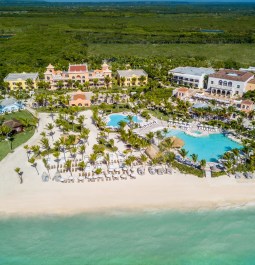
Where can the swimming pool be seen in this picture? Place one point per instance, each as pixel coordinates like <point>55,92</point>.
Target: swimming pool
<point>210,147</point>
<point>114,119</point>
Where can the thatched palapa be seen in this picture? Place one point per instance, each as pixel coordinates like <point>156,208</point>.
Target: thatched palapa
<point>152,151</point>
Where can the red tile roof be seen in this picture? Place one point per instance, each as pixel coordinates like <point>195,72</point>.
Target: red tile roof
<point>232,75</point>
<point>183,89</point>
<point>77,68</point>
<point>79,96</point>
<point>247,102</point>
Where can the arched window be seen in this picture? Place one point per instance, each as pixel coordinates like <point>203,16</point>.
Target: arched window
<point>230,84</point>
<point>73,77</point>
<point>225,83</point>
<point>220,82</point>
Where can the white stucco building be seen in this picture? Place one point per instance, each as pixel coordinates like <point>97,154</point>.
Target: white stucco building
<point>190,76</point>
<point>229,83</point>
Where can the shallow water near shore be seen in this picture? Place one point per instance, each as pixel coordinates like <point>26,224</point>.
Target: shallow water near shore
<point>160,237</point>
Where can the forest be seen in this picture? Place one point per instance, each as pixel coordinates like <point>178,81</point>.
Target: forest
<point>157,36</point>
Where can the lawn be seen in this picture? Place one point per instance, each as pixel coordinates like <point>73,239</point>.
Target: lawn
<point>23,114</point>
<point>18,138</point>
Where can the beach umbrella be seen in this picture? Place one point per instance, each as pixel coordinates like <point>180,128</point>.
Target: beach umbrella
<point>45,177</point>
<point>57,176</point>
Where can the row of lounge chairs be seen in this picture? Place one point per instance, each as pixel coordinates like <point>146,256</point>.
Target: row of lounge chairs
<point>148,124</point>
<point>246,175</point>
<point>159,171</point>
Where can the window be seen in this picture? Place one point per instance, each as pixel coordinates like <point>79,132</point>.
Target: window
<point>220,82</point>
<point>225,83</point>
<point>73,77</point>
<point>212,82</point>
<point>230,84</point>
<point>238,86</point>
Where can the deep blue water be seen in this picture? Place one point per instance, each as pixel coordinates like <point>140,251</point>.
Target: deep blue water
<point>195,238</point>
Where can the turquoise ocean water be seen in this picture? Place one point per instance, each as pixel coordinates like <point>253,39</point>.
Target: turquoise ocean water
<point>225,237</point>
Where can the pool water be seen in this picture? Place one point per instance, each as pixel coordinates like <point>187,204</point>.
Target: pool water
<point>116,118</point>
<point>210,148</point>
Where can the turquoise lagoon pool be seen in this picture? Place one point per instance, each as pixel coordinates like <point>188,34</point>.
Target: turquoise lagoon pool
<point>210,148</point>
<point>114,119</point>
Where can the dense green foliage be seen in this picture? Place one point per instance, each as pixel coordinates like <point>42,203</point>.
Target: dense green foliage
<point>170,34</point>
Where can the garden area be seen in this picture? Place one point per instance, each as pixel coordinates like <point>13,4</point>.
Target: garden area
<point>10,140</point>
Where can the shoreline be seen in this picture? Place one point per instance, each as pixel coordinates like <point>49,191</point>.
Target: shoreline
<point>145,194</point>
<point>132,211</point>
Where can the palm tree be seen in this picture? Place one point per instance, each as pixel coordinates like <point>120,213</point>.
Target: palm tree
<point>203,163</point>
<point>169,157</point>
<point>26,147</point>
<point>194,157</point>
<point>183,153</point>
<point>46,164</point>
<point>18,171</point>
<point>141,79</point>
<point>50,127</point>
<point>107,81</point>
<point>6,130</point>
<point>45,144</point>
<point>82,165</point>
<point>149,137</point>
<point>93,158</point>
<point>36,149</point>
<point>57,155</point>
<point>122,124</point>
<point>86,85</point>
<point>122,81</point>
<point>80,120</point>
<point>159,136</point>
<point>82,150</point>
<point>33,164</point>
<point>143,159</point>
<point>95,81</point>
<point>133,80</point>
<point>68,165</point>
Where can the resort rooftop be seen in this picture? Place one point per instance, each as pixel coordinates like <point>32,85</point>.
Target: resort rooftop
<point>233,75</point>
<point>21,76</point>
<point>196,71</point>
<point>131,72</point>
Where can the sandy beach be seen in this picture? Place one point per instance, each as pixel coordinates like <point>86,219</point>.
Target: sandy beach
<point>176,191</point>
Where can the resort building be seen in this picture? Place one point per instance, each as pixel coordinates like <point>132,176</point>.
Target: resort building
<point>250,85</point>
<point>247,106</point>
<point>22,80</point>
<point>9,105</point>
<point>190,76</point>
<point>80,99</point>
<point>229,83</point>
<point>132,77</point>
<point>78,73</point>
<point>181,93</point>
